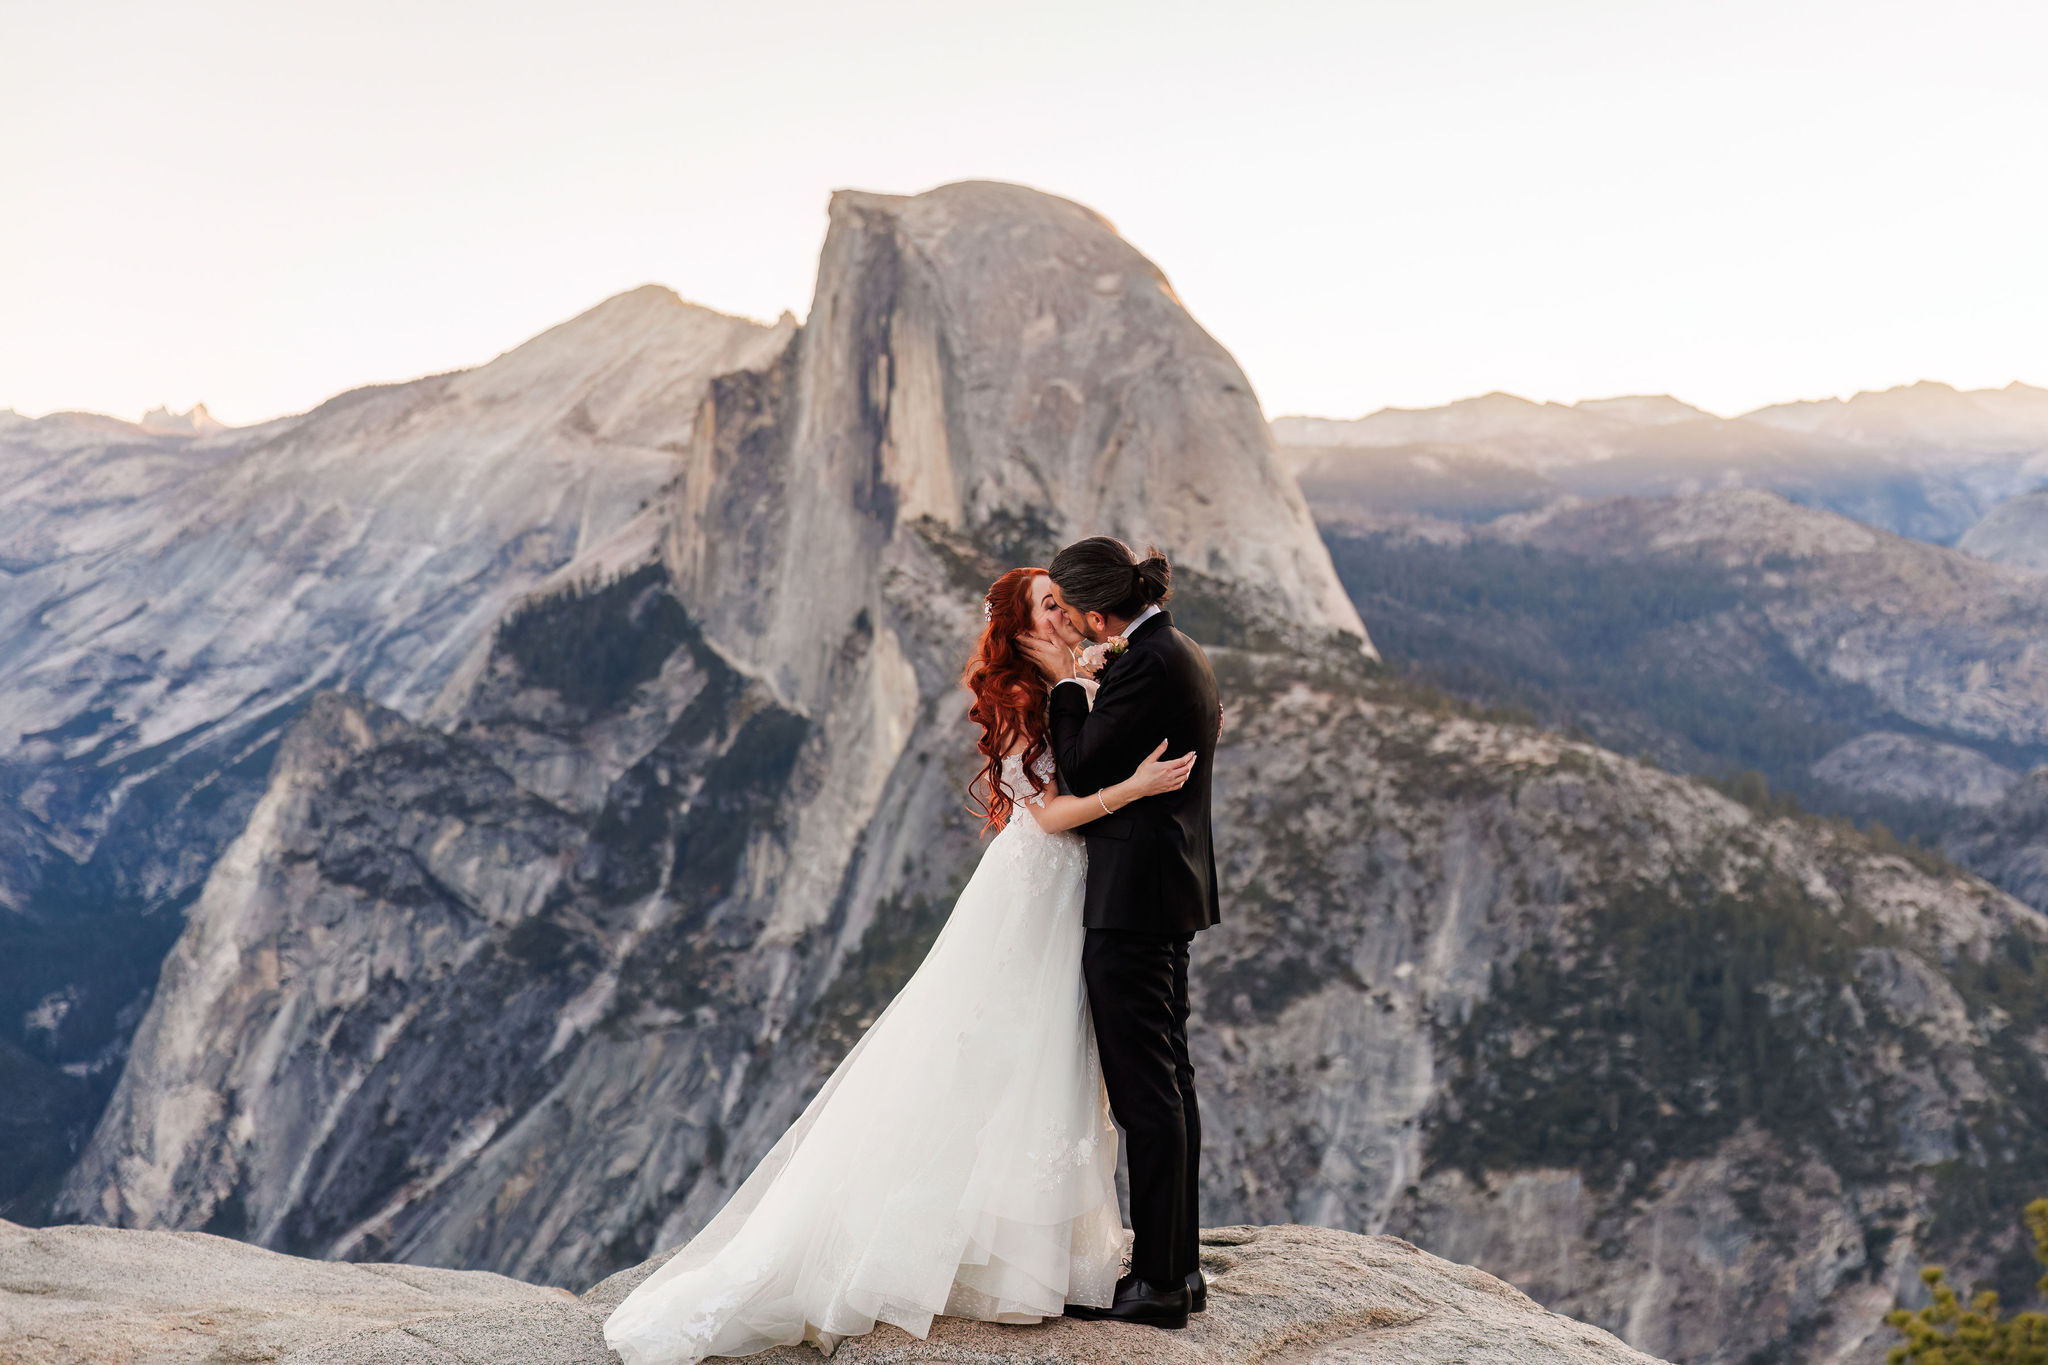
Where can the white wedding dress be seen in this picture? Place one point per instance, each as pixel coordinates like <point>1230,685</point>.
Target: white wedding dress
<point>961,1159</point>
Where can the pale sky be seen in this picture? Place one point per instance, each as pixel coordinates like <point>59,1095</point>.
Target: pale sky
<point>258,205</point>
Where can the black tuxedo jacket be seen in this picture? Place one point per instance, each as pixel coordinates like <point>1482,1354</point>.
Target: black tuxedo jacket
<point>1151,867</point>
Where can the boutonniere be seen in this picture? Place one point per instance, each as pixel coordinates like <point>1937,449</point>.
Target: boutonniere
<point>1096,655</point>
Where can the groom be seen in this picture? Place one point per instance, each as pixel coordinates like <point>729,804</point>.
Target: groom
<point>1151,888</point>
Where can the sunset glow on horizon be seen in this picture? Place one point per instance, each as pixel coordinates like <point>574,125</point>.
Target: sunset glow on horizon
<point>257,207</point>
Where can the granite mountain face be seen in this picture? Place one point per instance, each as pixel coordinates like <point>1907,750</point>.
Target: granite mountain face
<point>172,593</point>
<point>172,581</point>
<point>1714,1080</point>
<point>525,978</point>
<point>728,744</point>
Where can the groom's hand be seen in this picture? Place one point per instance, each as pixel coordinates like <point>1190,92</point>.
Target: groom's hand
<point>1052,658</point>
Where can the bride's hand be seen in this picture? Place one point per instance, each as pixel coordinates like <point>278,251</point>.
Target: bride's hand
<point>1156,775</point>
<point>1052,657</point>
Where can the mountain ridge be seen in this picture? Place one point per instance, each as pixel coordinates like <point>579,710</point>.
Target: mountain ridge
<point>1925,460</point>
<point>1796,413</point>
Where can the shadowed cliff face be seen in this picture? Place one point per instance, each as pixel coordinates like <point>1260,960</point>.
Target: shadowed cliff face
<point>170,600</point>
<point>531,988</point>
<point>159,589</point>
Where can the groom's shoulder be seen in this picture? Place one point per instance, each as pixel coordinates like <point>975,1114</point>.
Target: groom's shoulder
<point>1177,651</point>
<point>1171,636</point>
<point>1177,642</point>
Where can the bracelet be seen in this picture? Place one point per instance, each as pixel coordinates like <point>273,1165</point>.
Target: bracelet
<point>1105,804</point>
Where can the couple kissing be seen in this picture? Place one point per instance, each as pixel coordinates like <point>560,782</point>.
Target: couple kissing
<point>961,1160</point>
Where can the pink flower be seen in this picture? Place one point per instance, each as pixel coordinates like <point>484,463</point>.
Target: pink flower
<point>1096,655</point>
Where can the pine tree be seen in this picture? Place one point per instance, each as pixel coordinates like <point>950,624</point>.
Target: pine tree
<point>1946,1333</point>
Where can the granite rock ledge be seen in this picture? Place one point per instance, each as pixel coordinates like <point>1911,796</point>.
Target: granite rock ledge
<point>1285,1295</point>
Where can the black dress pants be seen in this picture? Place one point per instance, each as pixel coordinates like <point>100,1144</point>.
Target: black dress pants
<point>1138,995</point>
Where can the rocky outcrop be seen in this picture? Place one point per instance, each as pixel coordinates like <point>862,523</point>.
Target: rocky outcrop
<point>98,1296</point>
<point>172,593</point>
<point>1915,768</point>
<point>92,1296</point>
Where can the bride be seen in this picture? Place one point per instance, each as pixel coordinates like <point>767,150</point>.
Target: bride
<point>961,1159</point>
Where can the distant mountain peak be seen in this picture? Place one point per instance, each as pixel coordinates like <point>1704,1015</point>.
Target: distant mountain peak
<point>1927,414</point>
<point>646,305</point>
<point>998,196</point>
<point>197,422</point>
<point>655,297</point>
<point>1647,409</point>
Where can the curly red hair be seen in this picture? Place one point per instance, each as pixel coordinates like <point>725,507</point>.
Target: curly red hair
<point>1009,695</point>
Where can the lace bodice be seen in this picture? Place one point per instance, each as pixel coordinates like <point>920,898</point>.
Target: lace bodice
<point>1018,788</point>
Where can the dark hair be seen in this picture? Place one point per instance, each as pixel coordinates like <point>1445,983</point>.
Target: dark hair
<point>1101,574</point>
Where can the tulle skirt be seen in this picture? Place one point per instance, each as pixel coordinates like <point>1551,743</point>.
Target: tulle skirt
<point>961,1160</point>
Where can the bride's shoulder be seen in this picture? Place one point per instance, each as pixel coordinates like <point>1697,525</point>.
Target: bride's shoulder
<point>1043,764</point>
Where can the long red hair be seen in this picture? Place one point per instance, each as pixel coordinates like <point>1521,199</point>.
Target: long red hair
<point>1009,695</point>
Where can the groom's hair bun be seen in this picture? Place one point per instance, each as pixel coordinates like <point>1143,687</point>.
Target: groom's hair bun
<point>1155,577</point>
<point>1101,574</point>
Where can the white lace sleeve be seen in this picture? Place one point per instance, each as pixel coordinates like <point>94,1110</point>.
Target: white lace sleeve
<point>1018,787</point>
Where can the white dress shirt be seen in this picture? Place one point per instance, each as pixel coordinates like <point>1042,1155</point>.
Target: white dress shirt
<point>1140,619</point>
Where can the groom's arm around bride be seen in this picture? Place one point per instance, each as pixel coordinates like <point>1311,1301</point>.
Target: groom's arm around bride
<point>1151,867</point>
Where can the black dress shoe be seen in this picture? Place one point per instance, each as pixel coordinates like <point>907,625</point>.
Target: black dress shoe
<point>1198,1292</point>
<point>1139,1302</point>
